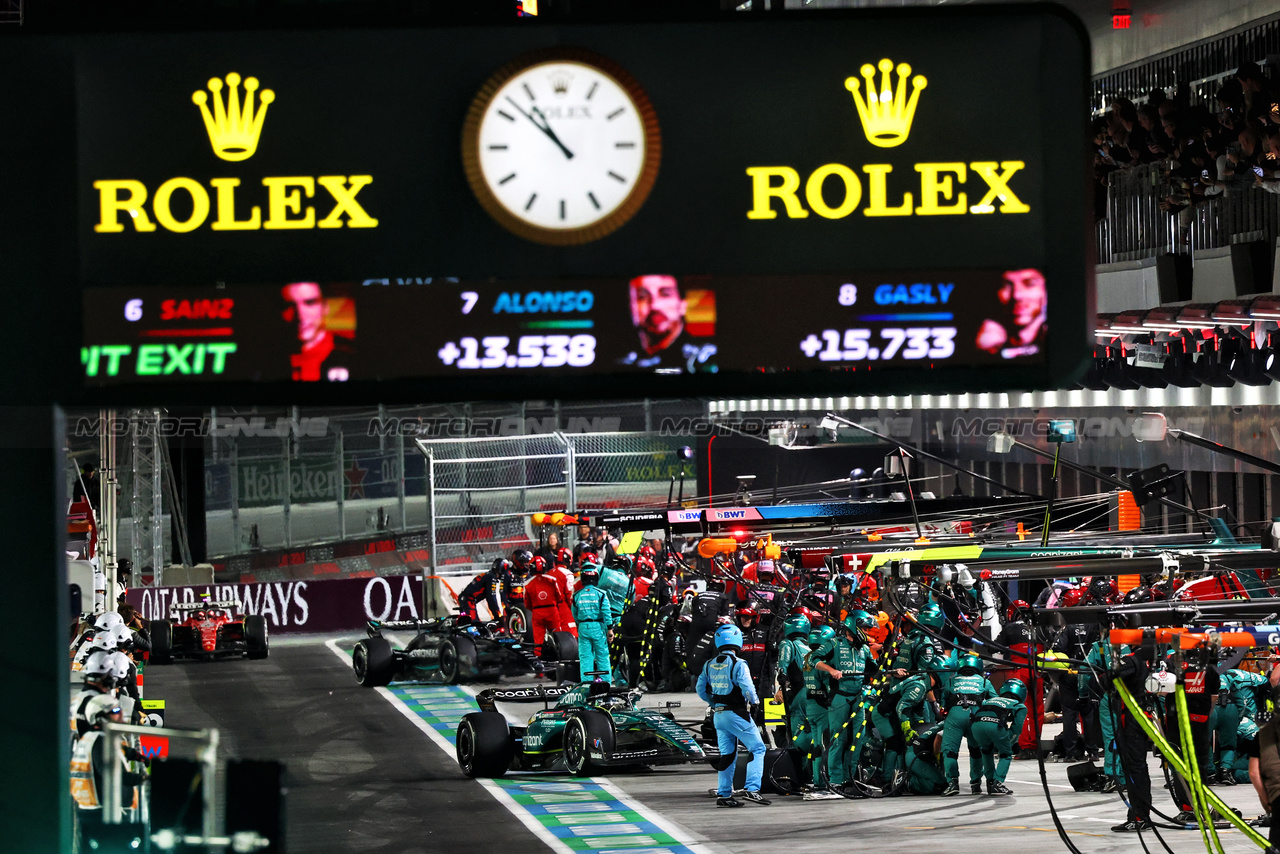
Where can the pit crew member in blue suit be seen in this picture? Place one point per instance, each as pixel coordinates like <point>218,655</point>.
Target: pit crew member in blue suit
<point>725,684</point>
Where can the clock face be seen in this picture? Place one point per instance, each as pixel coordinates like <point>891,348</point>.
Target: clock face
<point>561,148</point>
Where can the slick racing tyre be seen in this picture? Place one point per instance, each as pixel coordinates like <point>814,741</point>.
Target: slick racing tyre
<point>161,642</point>
<point>518,622</point>
<point>373,663</point>
<point>484,745</point>
<point>449,662</point>
<point>587,732</point>
<point>255,636</point>
<point>562,647</point>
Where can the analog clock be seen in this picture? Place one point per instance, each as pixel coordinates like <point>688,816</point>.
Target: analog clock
<point>561,146</point>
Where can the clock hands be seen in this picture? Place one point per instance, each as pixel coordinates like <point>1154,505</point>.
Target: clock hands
<point>540,122</point>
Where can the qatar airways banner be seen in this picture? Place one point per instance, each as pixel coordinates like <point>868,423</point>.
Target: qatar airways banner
<point>337,605</point>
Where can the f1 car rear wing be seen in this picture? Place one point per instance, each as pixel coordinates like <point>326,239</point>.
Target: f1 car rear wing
<point>220,604</point>
<point>488,699</point>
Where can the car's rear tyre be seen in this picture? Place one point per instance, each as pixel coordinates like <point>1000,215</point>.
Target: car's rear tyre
<point>161,642</point>
<point>562,647</point>
<point>373,662</point>
<point>449,662</point>
<point>518,621</point>
<point>581,734</point>
<point>255,636</point>
<point>484,745</point>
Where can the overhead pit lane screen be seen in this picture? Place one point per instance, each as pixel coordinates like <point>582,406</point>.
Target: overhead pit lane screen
<point>505,209</point>
<point>653,323</point>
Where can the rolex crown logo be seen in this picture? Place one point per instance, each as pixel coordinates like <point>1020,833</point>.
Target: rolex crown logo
<point>233,127</point>
<point>886,115</point>
<point>560,83</point>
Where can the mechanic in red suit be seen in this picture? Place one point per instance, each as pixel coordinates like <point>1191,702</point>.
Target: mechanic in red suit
<point>545,597</point>
<point>1019,635</point>
<point>642,574</point>
<point>563,573</point>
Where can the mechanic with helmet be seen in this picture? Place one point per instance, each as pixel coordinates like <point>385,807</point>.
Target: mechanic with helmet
<point>1237,702</point>
<point>903,710</point>
<point>725,685</point>
<point>592,614</point>
<point>842,603</point>
<point>994,723</point>
<point>102,623</point>
<point>924,773</point>
<point>1019,635</point>
<point>103,641</point>
<point>636,624</point>
<point>664,587</point>
<point>755,640</point>
<point>790,677</point>
<point>817,704</point>
<point>487,587</point>
<point>545,596</point>
<point>1092,685</point>
<point>562,572</point>
<point>89,766</point>
<point>966,693</point>
<point>1078,713</point>
<point>99,681</point>
<point>918,649</point>
<point>847,659</point>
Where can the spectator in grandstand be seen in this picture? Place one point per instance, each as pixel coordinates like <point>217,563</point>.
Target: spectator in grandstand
<point>1261,100</point>
<point>1128,140</point>
<point>1158,143</point>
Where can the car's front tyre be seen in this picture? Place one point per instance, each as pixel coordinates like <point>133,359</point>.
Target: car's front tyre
<point>584,732</point>
<point>484,745</point>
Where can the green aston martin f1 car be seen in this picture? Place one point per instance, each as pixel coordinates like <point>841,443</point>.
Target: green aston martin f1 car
<point>583,729</point>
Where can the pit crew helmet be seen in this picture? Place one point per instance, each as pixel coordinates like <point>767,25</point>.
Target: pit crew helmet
<point>931,617</point>
<point>820,635</point>
<point>102,642</point>
<point>590,573</point>
<point>844,579</point>
<point>538,565</point>
<point>970,662</point>
<point>1018,610</point>
<point>520,558</point>
<point>728,636</point>
<point>108,620</point>
<point>1014,688</point>
<point>796,626</point>
<point>564,557</point>
<point>124,636</point>
<point>647,551</point>
<point>100,708</point>
<point>120,664</point>
<point>879,633</point>
<point>747,610</point>
<point>98,667</point>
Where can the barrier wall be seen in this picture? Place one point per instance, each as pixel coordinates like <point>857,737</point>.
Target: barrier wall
<point>307,607</point>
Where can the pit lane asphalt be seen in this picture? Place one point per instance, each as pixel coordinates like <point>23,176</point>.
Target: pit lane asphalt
<point>363,778</point>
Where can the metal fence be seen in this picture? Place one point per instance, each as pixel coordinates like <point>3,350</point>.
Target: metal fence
<point>481,492</point>
<point>1192,74</point>
<point>1134,227</point>
<point>287,477</point>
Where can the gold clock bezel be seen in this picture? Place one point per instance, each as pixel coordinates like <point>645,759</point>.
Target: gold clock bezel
<point>561,236</point>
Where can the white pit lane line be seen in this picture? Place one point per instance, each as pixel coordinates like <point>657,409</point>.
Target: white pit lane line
<point>686,841</point>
